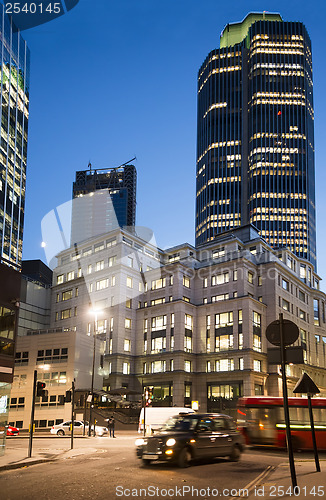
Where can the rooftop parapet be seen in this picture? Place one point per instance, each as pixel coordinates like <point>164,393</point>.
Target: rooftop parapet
<point>236,32</point>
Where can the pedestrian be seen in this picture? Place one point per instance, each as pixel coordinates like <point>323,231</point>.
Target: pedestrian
<point>111,423</point>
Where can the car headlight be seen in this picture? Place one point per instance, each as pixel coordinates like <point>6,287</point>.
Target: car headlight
<point>170,442</point>
<point>140,442</point>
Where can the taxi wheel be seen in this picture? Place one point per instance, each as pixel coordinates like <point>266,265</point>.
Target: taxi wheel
<point>235,453</point>
<point>146,461</point>
<point>60,432</point>
<point>184,458</point>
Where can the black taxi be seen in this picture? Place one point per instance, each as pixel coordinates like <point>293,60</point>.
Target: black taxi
<point>186,437</point>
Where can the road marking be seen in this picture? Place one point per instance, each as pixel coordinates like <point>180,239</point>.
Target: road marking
<point>252,483</point>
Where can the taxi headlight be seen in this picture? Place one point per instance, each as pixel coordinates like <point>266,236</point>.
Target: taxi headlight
<point>140,442</point>
<point>170,442</point>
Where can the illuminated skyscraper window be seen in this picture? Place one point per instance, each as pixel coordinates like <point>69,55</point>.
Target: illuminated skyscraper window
<point>255,142</point>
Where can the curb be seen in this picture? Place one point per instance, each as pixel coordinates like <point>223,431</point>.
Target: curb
<point>53,436</point>
<point>21,465</point>
<point>36,461</point>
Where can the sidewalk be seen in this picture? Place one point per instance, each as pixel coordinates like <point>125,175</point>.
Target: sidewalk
<point>277,483</point>
<point>54,448</point>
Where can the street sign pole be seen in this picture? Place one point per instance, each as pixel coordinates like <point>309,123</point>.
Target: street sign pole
<point>72,414</point>
<point>286,405</point>
<point>307,386</point>
<point>313,433</point>
<point>144,399</point>
<point>32,416</point>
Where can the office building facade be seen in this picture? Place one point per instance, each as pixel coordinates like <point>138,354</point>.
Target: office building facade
<point>255,143</point>
<point>14,107</point>
<point>187,323</point>
<point>35,297</point>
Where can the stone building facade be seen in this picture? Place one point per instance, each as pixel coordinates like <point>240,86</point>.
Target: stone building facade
<point>188,323</point>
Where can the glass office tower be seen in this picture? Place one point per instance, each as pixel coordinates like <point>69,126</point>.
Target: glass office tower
<point>14,105</point>
<point>255,142</point>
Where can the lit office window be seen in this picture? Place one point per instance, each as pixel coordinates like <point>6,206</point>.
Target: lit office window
<point>126,368</point>
<point>126,345</point>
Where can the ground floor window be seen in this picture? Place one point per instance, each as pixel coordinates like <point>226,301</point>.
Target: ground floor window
<point>162,395</point>
<point>222,398</point>
<point>259,390</point>
<point>17,423</point>
<point>187,396</point>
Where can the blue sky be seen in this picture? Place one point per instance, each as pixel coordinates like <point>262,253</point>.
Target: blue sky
<point>111,80</point>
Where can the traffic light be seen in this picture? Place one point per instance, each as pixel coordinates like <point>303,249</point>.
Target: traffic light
<point>148,396</point>
<point>68,397</point>
<point>40,389</point>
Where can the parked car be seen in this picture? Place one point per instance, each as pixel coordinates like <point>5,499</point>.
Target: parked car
<point>64,428</point>
<point>192,436</point>
<point>12,431</point>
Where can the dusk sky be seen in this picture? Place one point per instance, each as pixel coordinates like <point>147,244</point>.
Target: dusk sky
<point>111,80</point>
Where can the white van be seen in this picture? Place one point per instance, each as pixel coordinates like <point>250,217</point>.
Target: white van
<point>156,416</point>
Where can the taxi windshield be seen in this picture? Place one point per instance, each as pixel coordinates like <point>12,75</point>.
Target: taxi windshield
<point>181,424</point>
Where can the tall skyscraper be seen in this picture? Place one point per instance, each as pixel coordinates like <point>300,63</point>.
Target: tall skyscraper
<point>103,200</point>
<point>255,142</point>
<point>14,105</point>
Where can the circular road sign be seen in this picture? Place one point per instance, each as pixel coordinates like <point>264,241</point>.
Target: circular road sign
<point>290,332</point>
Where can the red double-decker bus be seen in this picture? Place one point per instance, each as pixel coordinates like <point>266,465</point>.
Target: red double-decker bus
<point>261,420</point>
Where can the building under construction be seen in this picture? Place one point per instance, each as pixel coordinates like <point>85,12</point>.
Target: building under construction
<point>103,199</point>
<point>121,184</point>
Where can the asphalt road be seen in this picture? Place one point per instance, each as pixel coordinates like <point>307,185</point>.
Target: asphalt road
<point>112,471</point>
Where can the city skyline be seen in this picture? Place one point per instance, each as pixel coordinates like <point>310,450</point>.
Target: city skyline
<point>123,322</point>
<point>158,148</point>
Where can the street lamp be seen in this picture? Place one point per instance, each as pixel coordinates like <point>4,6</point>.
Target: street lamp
<point>95,312</point>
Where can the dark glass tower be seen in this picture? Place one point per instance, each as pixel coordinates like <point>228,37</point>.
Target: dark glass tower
<point>14,105</point>
<point>255,143</point>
